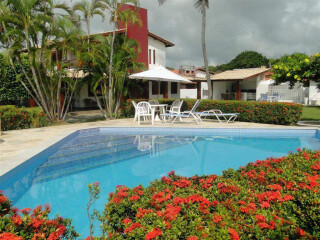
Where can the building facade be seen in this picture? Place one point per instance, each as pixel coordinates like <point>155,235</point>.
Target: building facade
<point>152,54</point>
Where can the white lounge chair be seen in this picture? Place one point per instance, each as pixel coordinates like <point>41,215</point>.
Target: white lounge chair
<point>186,114</point>
<point>228,117</point>
<point>146,111</point>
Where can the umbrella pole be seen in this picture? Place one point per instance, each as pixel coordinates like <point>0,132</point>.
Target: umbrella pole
<point>159,89</point>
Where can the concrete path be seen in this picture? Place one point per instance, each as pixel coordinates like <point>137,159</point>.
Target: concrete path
<point>19,145</point>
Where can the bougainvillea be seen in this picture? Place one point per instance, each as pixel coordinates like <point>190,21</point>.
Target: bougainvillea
<point>32,224</point>
<point>278,198</point>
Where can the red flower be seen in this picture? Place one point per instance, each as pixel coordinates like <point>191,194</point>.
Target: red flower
<point>132,227</point>
<point>314,167</point>
<point>233,234</point>
<point>217,218</point>
<point>265,205</point>
<point>192,238</point>
<point>288,197</point>
<point>126,221</point>
<point>54,236</point>
<point>260,218</point>
<point>16,220</point>
<point>182,183</point>
<point>263,225</point>
<point>25,210</point>
<point>300,232</point>
<point>171,212</point>
<point>96,184</point>
<point>178,200</point>
<point>134,198</point>
<point>3,199</point>
<point>275,187</point>
<point>9,236</point>
<point>153,234</point>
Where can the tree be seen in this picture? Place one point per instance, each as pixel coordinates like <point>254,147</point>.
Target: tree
<point>125,61</point>
<point>248,59</point>
<point>128,17</point>
<point>202,5</point>
<point>297,68</point>
<point>11,91</point>
<point>88,10</point>
<point>47,36</point>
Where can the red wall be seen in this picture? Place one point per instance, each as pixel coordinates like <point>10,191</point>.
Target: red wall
<point>139,33</point>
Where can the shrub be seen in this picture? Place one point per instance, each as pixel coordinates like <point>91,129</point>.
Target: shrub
<point>33,224</point>
<point>273,199</point>
<point>257,112</point>
<point>13,118</point>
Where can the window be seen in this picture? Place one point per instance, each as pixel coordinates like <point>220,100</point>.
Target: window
<point>149,56</point>
<point>154,56</point>
<point>174,88</point>
<point>163,87</point>
<point>154,88</point>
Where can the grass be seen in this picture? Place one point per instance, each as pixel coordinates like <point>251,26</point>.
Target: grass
<point>311,113</point>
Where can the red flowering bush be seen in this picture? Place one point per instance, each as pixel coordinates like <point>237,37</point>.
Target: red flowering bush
<point>278,198</point>
<point>249,111</point>
<point>13,118</point>
<point>32,224</point>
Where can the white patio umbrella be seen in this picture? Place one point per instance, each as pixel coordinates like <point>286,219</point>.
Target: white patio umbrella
<point>159,74</point>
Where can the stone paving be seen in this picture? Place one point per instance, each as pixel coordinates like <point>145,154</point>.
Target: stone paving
<point>19,145</point>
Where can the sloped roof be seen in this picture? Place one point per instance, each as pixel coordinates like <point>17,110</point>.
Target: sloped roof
<point>239,74</point>
<point>150,34</point>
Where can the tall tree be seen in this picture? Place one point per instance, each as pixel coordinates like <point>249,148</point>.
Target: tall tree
<point>128,17</point>
<point>89,9</point>
<point>47,36</point>
<point>125,61</point>
<point>202,5</point>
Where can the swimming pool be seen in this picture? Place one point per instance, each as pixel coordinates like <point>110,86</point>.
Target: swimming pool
<point>130,156</point>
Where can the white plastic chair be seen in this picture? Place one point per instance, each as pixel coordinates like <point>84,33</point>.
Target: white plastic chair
<point>144,110</point>
<point>176,106</point>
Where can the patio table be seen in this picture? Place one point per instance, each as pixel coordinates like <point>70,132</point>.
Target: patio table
<point>162,109</point>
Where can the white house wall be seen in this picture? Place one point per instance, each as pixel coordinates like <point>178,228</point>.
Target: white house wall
<point>314,93</point>
<point>188,93</point>
<point>160,50</point>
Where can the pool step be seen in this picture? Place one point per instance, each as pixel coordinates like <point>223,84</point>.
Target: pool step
<point>62,166</point>
<point>89,147</point>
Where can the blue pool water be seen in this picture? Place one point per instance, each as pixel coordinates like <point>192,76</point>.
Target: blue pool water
<point>112,156</point>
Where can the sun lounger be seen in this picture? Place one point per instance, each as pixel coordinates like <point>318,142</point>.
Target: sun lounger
<point>228,117</point>
<point>186,114</point>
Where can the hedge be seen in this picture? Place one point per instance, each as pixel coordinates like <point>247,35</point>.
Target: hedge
<point>273,199</point>
<point>32,224</point>
<point>13,118</point>
<point>249,111</point>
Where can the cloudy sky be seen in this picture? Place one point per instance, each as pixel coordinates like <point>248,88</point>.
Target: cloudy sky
<point>271,27</point>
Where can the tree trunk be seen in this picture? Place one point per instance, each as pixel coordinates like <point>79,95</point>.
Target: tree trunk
<point>100,107</point>
<point>111,66</point>
<point>204,48</point>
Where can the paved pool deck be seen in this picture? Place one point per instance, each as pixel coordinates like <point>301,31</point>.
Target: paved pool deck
<point>19,145</point>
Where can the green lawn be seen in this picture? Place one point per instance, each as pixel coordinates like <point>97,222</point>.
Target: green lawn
<point>311,113</point>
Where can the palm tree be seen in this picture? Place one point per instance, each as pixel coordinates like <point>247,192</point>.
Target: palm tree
<point>35,27</point>
<point>89,9</point>
<point>124,62</point>
<point>202,5</point>
<point>118,14</point>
